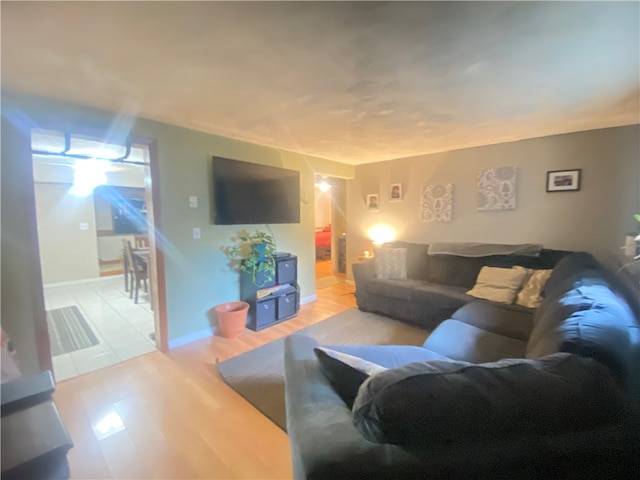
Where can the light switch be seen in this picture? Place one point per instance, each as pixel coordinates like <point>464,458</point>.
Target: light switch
<point>84,226</point>
<point>196,233</point>
<point>193,201</point>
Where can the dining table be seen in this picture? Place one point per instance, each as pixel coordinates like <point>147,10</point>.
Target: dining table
<point>142,253</point>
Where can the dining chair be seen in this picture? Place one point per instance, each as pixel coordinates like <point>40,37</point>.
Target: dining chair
<point>142,241</point>
<point>137,270</point>
<point>125,265</point>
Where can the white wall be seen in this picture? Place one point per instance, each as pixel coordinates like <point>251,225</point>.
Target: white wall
<point>52,169</point>
<point>67,252</point>
<point>110,247</point>
<point>59,233</point>
<point>104,219</point>
<point>323,207</point>
<point>594,219</point>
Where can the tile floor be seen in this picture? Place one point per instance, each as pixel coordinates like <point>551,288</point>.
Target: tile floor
<point>122,327</point>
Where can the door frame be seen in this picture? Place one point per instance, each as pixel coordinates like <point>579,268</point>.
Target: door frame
<point>157,263</point>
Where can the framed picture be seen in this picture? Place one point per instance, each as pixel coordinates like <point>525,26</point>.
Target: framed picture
<point>372,201</point>
<point>395,192</point>
<point>563,180</point>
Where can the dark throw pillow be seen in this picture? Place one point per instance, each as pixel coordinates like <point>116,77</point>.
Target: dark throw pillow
<point>447,402</point>
<point>345,372</point>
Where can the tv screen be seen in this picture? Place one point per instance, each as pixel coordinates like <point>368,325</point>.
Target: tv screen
<point>247,193</point>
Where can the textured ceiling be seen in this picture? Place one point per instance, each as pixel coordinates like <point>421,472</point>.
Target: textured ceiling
<point>355,82</point>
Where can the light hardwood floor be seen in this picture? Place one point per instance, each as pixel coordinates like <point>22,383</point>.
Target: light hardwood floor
<point>172,416</point>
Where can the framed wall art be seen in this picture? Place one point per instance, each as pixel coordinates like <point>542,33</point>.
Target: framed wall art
<point>395,192</point>
<point>373,201</point>
<point>563,180</point>
<point>497,188</point>
<point>437,203</point>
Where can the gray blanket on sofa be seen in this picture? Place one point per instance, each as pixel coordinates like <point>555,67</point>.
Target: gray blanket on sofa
<point>470,249</point>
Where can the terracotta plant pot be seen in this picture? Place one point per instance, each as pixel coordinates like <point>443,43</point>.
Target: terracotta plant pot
<point>232,318</point>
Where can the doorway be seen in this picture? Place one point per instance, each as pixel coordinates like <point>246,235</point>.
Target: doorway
<point>330,226</point>
<point>93,322</point>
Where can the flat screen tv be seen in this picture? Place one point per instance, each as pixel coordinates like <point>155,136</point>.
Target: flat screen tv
<point>246,193</point>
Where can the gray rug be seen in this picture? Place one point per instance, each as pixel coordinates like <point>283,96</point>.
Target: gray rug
<point>258,375</point>
<point>69,331</point>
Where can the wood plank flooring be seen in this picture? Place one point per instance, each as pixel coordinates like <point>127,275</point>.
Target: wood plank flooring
<point>171,416</point>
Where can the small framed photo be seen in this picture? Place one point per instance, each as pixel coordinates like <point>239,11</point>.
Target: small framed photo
<point>373,201</point>
<point>395,192</point>
<point>563,180</point>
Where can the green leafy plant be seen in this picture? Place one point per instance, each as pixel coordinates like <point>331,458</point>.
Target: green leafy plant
<point>255,254</point>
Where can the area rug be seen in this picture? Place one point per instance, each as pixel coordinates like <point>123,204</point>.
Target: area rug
<point>258,375</point>
<point>69,331</point>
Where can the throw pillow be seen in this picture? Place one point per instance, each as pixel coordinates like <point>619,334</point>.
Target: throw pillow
<point>391,263</point>
<point>498,284</point>
<point>345,372</point>
<point>531,294</point>
<point>455,402</point>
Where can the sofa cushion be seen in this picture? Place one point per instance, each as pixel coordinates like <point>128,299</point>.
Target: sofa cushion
<point>547,259</point>
<point>348,366</point>
<point>444,297</point>
<point>498,284</point>
<point>508,320</point>
<point>417,258</point>
<point>345,372</point>
<point>402,290</point>
<point>602,330</point>
<point>556,309</point>
<point>389,356</point>
<point>453,402</point>
<point>461,341</point>
<point>454,270</point>
<point>531,294</point>
<point>579,268</point>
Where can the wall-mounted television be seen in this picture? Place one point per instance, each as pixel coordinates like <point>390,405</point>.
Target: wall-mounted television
<point>247,193</point>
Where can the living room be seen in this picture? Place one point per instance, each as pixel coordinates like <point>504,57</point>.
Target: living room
<point>598,138</point>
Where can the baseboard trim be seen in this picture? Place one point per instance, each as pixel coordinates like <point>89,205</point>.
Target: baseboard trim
<point>112,273</point>
<point>192,337</point>
<point>309,299</point>
<point>207,332</point>
<point>84,280</point>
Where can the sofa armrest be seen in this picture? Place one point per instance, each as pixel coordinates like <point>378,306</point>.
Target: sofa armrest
<point>364,270</point>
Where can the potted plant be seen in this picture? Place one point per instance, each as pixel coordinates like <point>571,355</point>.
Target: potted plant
<point>232,318</point>
<point>255,253</point>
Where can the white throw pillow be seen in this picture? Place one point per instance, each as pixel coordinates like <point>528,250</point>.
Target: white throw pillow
<point>530,295</point>
<point>391,263</point>
<point>498,284</point>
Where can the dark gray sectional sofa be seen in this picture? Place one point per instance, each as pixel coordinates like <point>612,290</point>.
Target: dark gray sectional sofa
<point>564,404</point>
<point>436,285</point>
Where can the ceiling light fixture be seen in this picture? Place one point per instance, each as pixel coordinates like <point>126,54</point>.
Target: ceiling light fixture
<point>87,175</point>
<point>322,184</point>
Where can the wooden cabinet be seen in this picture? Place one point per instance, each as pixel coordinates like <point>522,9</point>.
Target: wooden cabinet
<point>276,301</point>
